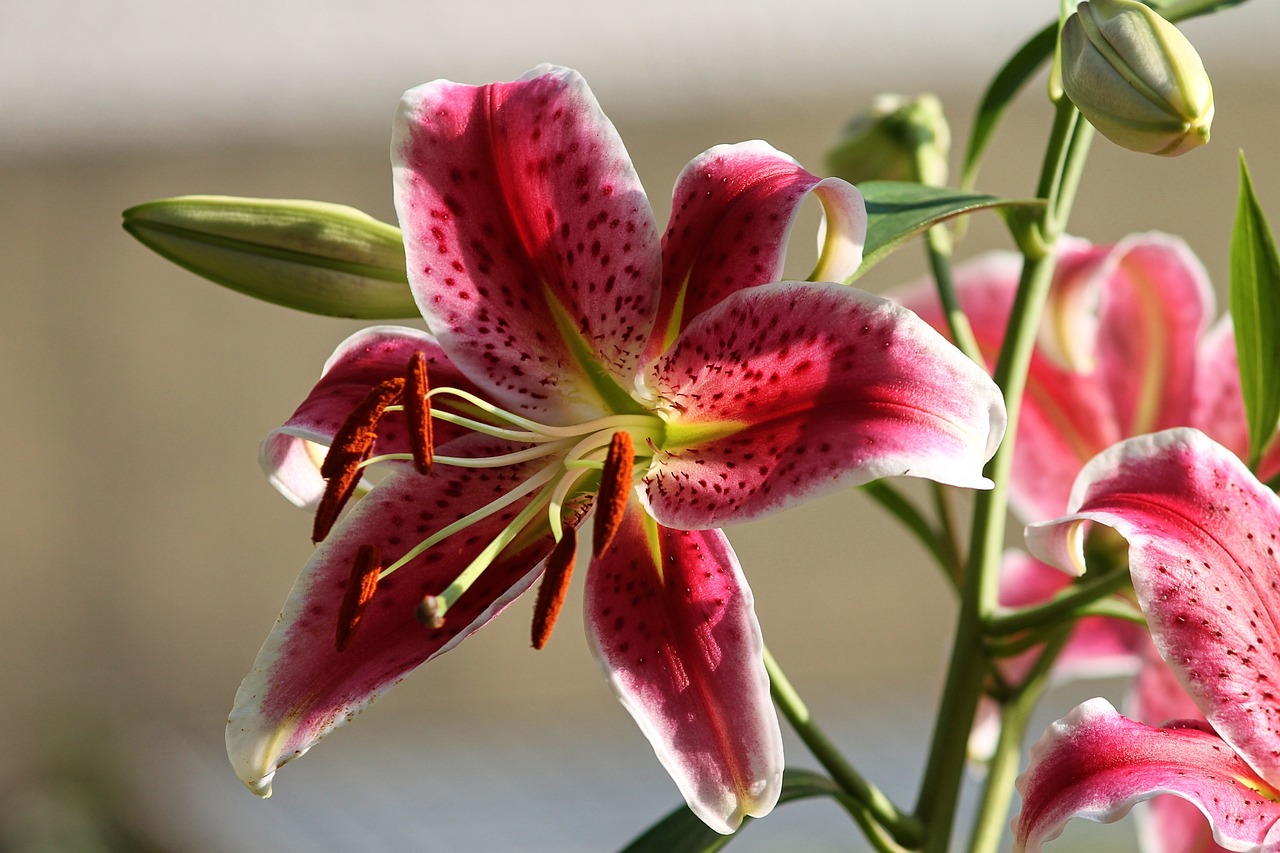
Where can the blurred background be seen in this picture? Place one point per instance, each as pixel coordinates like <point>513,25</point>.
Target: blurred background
<point>145,556</point>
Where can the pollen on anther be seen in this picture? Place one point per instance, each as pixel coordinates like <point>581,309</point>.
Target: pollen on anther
<point>615,489</point>
<point>417,411</point>
<point>554,587</point>
<point>360,589</point>
<point>351,446</point>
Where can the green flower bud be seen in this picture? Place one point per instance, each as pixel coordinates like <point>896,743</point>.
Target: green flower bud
<point>318,257</point>
<point>898,139</point>
<point>1136,78</point>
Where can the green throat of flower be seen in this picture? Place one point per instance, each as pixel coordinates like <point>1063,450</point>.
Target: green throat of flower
<point>597,461</point>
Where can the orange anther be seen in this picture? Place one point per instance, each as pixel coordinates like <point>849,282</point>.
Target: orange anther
<point>615,489</point>
<point>554,587</point>
<point>351,446</point>
<point>360,588</point>
<point>417,412</point>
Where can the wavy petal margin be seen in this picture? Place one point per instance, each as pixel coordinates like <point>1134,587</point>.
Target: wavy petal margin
<point>1096,764</point>
<point>672,621</point>
<point>794,389</point>
<point>732,213</point>
<point>1202,534</point>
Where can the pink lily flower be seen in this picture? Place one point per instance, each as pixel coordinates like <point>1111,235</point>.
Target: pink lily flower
<point>1202,538</point>
<point>1125,348</point>
<point>579,363</point>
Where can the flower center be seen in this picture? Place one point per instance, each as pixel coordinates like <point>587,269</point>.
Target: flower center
<point>601,458</point>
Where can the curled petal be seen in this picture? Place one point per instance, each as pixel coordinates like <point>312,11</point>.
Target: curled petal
<point>671,620</point>
<point>291,455</point>
<point>732,211</point>
<point>1202,554</point>
<point>1096,764</point>
<point>300,686</point>
<point>794,389</point>
<point>530,245</point>
<point>1218,409</point>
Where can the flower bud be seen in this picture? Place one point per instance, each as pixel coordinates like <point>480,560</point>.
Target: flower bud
<point>318,257</point>
<point>1136,78</point>
<point>898,139</point>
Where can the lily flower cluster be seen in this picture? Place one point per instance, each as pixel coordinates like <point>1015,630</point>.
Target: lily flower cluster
<point>1126,360</point>
<point>578,364</point>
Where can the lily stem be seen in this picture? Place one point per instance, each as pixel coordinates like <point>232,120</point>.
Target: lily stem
<point>970,662</point>
<point>901,508</point>
<point>1065,605</point>
<point>1002,770</point>
<point>902,827</point>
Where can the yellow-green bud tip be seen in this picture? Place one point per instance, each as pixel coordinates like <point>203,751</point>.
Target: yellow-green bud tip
<point>1136,78</point>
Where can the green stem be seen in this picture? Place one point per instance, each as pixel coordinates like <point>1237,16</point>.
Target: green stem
<point>1064,605</point>
<point>902,827</point>
<point>905,511</point>
<point>970,664</point>
<point>993,809</point>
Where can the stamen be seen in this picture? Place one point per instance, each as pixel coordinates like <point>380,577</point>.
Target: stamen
<point>615,489</point>
<point>360,589</point>
<point>417,411</point>
<point>554,587</point>
<point>337,491</point>
<point>428,612</point>
<point>351,444</point>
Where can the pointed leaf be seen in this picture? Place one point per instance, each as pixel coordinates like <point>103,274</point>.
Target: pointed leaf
<point>897,211</point>
<point>1003,89</point>
<point>682,831</point>
<point>1255,308</point>
<point>322,258</point>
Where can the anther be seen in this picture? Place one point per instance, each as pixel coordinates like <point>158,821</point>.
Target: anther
<point>554,587</point>
<point>417,412</point>
<point>350,447</point>
<point>615,489</point>
<point>360,589</point>
<point>428,612</point>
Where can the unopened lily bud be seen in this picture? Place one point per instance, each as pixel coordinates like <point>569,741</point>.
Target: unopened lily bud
<point>897,139</point>
<point>1136,78</point>
<point>318,257</point>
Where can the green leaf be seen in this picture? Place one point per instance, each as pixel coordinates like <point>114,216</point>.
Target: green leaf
<point>683,832</point>
<point>1255,311</point>
<point>318,257</point>
<point>897,211</point>
<point>1004,87</point>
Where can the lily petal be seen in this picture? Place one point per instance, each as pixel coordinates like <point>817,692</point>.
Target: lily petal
<point>1096,764</point>
<point>1218,409</point>
<point>732,212</point>
<point>1168,824</point>
<point>522,216</point>
<point>1116,353</point>
<point>300,686</point>
<point>291,455</point>
<point>794,389</point>
<point>671,620</point>
<point>1155,303</point>
<point>1202,538</point>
